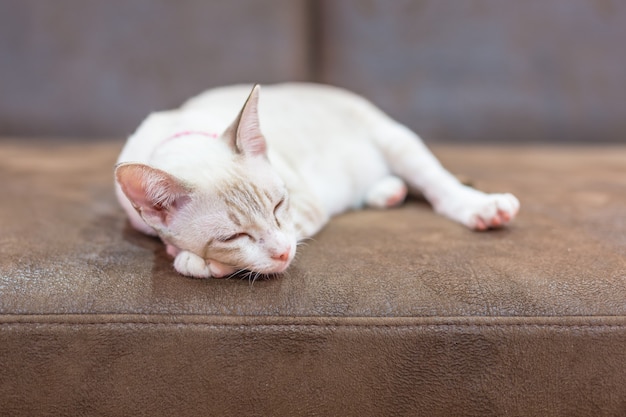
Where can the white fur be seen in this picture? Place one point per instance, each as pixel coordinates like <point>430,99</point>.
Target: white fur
<point>333,150</point>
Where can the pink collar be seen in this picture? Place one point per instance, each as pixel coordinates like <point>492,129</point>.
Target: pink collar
<point>186,133</point>
<point>191,132</point>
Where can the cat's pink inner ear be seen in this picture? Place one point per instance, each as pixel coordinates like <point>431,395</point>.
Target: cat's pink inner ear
<point>154,193</point>
<point>244,134</point>
<point>131,178</point>
<point>250,140</point>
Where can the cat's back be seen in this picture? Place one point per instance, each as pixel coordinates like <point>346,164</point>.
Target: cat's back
<point>297,105</point>
<point>297,118</point>
<point>300,93</point>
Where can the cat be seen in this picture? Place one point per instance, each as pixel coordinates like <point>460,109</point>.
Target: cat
<point>228,197</point>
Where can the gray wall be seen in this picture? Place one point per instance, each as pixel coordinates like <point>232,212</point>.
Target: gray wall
<point>465,70</point>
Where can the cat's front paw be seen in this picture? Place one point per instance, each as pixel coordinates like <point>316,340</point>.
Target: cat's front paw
<point>490,211</point>
<point>191,265</point>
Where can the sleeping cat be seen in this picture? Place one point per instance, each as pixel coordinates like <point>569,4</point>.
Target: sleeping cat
<point>226,196</point>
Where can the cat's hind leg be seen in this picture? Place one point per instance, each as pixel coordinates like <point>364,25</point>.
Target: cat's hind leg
<point>478,210</point>
<point>389,191</point>
<point>411,160</point>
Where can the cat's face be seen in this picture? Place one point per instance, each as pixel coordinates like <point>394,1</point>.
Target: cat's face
<point>241,222</point>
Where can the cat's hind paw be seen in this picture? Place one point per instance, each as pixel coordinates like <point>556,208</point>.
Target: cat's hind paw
<point>191,265</point>
<point>387,192</point>
<point>493,211</point>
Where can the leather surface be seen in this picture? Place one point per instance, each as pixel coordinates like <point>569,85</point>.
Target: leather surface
<point>395,312</point>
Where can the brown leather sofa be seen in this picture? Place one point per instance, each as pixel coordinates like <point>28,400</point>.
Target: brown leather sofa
<point>384,313</point>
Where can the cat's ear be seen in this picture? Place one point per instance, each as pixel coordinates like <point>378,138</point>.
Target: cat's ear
<point>155,194</point>
<point>244,134</point>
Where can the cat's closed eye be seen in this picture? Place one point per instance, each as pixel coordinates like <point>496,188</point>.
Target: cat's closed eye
<point>234,237</point>
<point>279,205</point>
<point>277,209</point>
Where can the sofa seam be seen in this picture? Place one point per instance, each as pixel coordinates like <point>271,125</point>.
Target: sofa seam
<point>323,325</point>
<point>606,321</point>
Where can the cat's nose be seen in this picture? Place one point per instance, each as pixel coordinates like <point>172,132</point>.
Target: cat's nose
<point>282,257</point>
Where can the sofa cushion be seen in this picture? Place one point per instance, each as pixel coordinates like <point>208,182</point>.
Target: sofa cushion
<point>383,312</point>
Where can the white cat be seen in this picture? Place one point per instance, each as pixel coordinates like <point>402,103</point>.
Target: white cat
<point>226,197</point>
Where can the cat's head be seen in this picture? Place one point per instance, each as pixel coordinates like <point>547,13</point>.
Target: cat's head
<point>240,220</point>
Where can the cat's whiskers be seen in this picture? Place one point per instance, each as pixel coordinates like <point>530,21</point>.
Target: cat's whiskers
<point>252,277</point>
<point>305,241</point>
<point>236,273</point>
<point>286,274</point>
<point>300,244</point>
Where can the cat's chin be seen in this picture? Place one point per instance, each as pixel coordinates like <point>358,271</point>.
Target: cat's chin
<point>277,270</point>
<point>219,270</point>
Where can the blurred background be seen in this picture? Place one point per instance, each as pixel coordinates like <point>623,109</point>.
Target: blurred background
<point>455,71</point>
